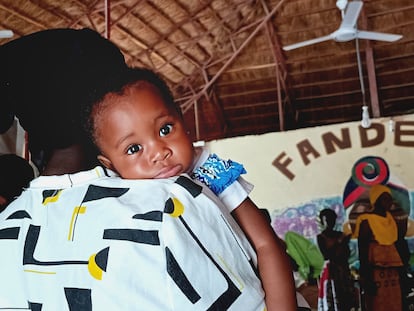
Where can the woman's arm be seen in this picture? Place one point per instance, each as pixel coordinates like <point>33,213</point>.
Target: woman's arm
<point>274,266</point>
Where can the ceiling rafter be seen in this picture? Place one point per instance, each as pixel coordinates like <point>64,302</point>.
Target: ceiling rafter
<point>212,61</point>
<point>213,79</point>
<point>16,12</point>
<point>128,11</point>
<point>128,33</point>
<point>87,12</point>
<point>92,9</point>
<point>179,25</point>
<point>166,40</point>
<point>331,94</point>
<point>325,108</point>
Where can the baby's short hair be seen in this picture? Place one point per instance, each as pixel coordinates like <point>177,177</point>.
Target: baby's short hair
<point>119,84</point>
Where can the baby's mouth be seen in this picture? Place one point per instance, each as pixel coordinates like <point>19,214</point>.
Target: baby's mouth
<point>169,171</point>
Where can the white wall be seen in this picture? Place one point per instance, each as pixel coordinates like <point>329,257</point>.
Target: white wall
<point>326,174</point>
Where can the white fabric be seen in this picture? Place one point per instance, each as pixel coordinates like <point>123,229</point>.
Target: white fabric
<point>103,243</point>
<point>301,301</point>
<point>234,194</point>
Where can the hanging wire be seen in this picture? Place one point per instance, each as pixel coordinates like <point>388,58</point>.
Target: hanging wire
<point>361,77</point>
<point>365,122</point>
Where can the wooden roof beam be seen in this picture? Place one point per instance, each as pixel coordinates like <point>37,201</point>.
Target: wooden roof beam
<point>92,9</point>
<point>190,102</point>
<point>172,45</point>
<point>185,21</point>
<point>30,20</point>
<point>370,63</point>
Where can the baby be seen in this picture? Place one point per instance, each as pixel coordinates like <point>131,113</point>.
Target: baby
<point>140,134</point>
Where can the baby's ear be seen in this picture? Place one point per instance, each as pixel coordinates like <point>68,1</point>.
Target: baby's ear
<point>105,161</point>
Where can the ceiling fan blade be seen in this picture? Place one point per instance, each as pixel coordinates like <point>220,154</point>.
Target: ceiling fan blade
<point>379,36</point>
<point>307,42</point>
<point>6,33</point>
<point>351,14</point>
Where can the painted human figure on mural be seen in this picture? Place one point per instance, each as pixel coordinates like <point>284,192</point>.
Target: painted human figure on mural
<point>339,293</point>
<point>365,173</point>
<point>369,173</point>
<point>381,254</point>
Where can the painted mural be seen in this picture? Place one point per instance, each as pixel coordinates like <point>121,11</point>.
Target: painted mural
<point>367,171</point>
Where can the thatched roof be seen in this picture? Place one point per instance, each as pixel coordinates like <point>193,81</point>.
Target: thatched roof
<point>225,63</point>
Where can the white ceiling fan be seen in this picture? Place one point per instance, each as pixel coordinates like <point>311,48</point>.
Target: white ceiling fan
<point>348,29</point>
<point>6,34</point>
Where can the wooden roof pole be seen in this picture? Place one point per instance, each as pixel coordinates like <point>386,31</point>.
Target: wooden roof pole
<point>372,78</point>
<point>107,19</point>
<point>281,112</point>
<point>279,63</point>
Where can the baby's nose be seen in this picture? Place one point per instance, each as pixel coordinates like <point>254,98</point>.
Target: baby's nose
<point>161,154</point>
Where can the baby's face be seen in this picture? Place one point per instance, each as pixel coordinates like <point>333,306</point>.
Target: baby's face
<point>140,138</point>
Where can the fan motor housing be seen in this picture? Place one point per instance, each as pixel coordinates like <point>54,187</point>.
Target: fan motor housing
<point>344,35</point>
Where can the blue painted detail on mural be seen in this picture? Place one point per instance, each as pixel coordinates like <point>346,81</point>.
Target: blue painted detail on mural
<point>412,205</point>
<point>303,219</point>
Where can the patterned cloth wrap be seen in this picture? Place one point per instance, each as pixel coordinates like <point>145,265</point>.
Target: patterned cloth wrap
<point>217,173</point>
<point>87,241</point>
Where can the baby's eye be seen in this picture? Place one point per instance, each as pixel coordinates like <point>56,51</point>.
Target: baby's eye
<point>165,130</point>
<point>133,149</point>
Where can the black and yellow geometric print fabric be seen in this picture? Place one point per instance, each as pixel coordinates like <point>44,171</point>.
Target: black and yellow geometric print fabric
<point>113,244</point>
